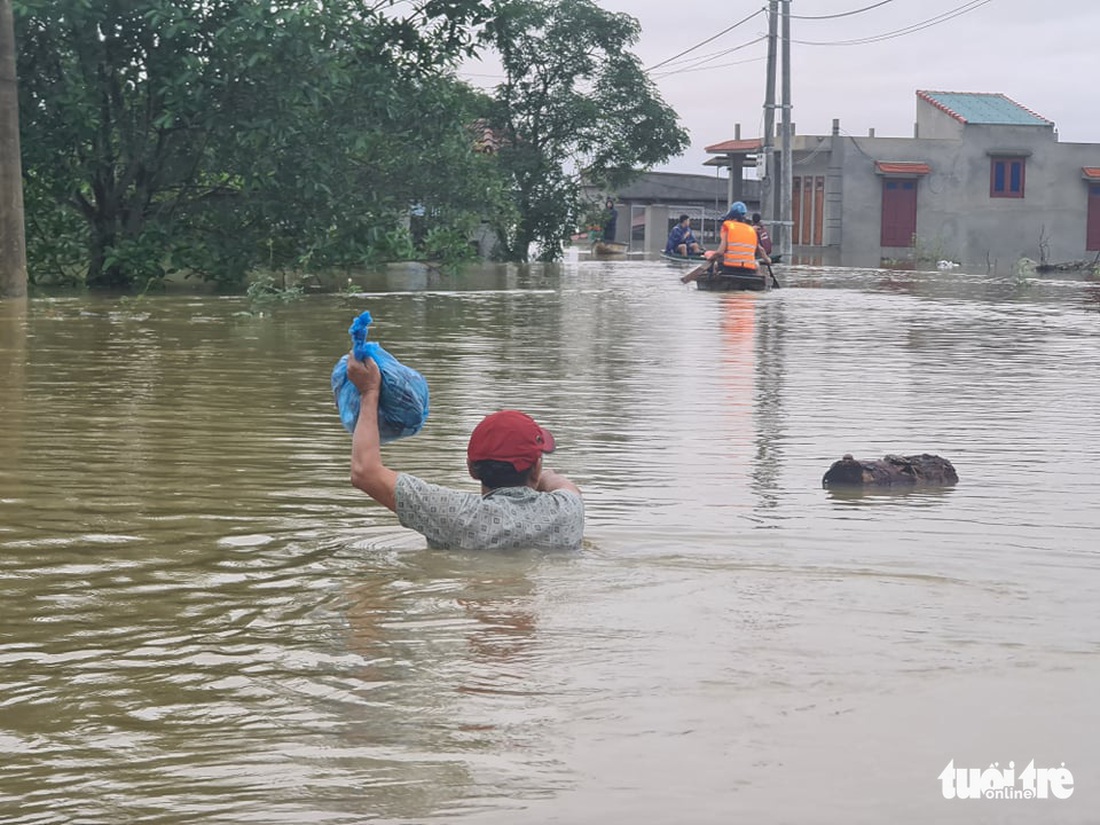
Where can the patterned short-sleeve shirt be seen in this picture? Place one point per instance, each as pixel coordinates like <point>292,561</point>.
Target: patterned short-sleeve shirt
<point>507,518</point>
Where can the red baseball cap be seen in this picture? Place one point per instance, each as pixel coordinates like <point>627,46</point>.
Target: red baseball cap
<point>511,436</point>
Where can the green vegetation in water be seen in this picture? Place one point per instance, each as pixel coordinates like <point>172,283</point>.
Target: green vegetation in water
<point>929,250</point>
<point>264,293</point>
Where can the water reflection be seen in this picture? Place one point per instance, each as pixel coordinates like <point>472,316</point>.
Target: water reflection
<point>1091,297</point>
<point>750,366</point>
<point>451,664</point>
<point>770,343</point>
<point>492,605</point>
<point>897,494</point>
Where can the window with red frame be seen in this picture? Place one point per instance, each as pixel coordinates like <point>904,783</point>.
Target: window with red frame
<point>1006,178</point>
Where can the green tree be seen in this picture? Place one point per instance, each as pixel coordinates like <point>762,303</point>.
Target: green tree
<point>218,135</point>
<point>575,102</point>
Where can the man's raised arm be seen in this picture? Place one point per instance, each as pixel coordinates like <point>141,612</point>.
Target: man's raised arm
<point>368,473</point>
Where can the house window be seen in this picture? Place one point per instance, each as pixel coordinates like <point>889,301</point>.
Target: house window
<point>1006,178</point>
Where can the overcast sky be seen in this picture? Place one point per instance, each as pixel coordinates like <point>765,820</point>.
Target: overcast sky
<point>1043,55</point>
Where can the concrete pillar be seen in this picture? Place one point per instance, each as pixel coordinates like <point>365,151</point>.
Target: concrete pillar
<point>656,227</point>
<point>737,180</point>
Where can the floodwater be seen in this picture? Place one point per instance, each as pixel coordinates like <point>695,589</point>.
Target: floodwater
<point>201,621</point>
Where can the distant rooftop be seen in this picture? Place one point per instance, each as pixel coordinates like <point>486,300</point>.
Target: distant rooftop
<point>983,108</point>
<point>674,187</point>
<point>735,146</point>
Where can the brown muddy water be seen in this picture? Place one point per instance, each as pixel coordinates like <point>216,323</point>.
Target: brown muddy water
<point>201,621</point>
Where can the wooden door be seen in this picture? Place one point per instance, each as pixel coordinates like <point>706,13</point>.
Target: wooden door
<point>796,210</point>
<point>899,211</point>
<point>1092,239</point>
<point>819,210</point>
<point>807,210</point>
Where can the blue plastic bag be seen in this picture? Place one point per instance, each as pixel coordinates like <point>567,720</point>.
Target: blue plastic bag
<point>403,400</point>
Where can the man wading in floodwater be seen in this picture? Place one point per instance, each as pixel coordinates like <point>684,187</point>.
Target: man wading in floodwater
<point>521,504</point>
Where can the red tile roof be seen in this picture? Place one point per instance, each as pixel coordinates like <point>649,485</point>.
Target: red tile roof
<point>905,167</point>
<point>1091,172</point>
<point>733,147</point>
<point>487,140</point>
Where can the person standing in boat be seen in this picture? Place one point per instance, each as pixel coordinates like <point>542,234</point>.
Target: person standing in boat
<point>610,225</point>
<point>740,247</point>
<point>762,233</point>
<point>681,240</point>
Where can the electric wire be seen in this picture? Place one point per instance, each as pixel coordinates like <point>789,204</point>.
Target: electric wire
<point>915,27</point>
<point>700,63</point>
<point>841,14</point>
<point>694,61</point>
<point>702,43</point>
<point>698,67</point>
<point>715,66</point>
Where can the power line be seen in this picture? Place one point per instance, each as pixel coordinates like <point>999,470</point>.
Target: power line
<point>702,61</point>
<point>841,14</point>
<point>915,27</point>
<point>702,43</point>
<point>699,64</point>
<point>695,61</point>
<point>702,67</point>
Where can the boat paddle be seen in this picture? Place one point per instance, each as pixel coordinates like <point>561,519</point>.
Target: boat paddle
<point>695,273</point>
<point>708,262</point>
<point>775,281</point>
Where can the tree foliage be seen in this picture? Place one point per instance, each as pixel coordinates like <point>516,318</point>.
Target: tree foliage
<point>214,136</point>
<point>575,103</point>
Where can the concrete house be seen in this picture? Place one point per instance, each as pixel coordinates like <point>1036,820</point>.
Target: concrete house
<point>650,205</point>
<point>983,181</point>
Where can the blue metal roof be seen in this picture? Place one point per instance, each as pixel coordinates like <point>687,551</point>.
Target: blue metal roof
<point>979,107</point>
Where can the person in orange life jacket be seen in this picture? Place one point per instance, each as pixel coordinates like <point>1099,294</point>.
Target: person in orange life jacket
<point>681,240</point>
<point>762,233</point>
<point>740,246</point>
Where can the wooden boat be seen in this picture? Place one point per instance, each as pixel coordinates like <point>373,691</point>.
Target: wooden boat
<point>697,259</point>
<point>609,248</point>
<point>683,259</point>
<point>727,280</point>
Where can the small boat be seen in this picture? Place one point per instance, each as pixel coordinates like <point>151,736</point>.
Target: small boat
<point>696,259</point>
<point>745,279</point>
<point>609,248</point>
<point>683,259</point>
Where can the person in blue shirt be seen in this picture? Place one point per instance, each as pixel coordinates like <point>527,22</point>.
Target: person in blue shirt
<point>681,240</point>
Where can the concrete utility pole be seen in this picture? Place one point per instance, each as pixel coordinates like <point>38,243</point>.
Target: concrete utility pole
<point>767,148</point>
<point>13,250</point>
<point>787,166</point>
